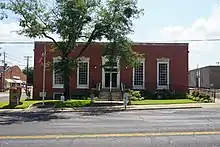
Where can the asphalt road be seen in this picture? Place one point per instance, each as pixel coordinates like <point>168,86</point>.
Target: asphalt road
<point>4,96</point>
<point>157,128</point>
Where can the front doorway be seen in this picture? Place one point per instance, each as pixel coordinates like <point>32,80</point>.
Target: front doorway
<point>111,79</point>
<point>110,76</point>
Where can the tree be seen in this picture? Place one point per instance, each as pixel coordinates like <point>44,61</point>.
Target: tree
<point>29,74</point>
<point>78,20</point>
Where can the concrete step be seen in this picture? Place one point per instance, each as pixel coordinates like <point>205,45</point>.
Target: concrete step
<point>113,90</point>
<point>105,94</point>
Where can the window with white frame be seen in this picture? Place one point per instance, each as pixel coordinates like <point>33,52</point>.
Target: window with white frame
<point>163,73</point>
<point>57,77</point>
<point>57,95</point>
<point>139,75</point>
<point>83,73</point>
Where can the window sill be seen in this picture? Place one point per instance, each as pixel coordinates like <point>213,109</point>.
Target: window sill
<point>162,87</point>
<point>58,86</point>
<point>82,87</point>
<point>138,87</point>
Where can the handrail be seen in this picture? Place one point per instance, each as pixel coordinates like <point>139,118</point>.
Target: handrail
<point>99,86</point>
<point>122,87</point>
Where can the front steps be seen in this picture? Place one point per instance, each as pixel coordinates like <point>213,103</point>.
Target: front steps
<point>106,95</point>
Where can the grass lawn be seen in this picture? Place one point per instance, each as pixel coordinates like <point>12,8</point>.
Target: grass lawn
<point>58,104</point>
<point>160,102</point>
<point>23,105</point>
<point>71,103</point>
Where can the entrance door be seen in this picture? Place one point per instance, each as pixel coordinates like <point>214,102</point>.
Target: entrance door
<point>114,79</point>
<point>111,77</point>
<point>107,79</point>
<point>110,72</point>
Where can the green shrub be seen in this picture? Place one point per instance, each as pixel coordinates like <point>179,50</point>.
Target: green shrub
<point>147,94</point>
<point>135,95</point>
<point>136,99</point>
<point>80,96</point>
<point>195,93</point>
<point>200,97</point>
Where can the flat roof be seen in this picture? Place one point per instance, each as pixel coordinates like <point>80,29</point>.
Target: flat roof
<point>208,66</point>
<point>134,43</point>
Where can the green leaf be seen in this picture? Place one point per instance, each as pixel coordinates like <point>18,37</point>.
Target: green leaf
<point>78,20</point>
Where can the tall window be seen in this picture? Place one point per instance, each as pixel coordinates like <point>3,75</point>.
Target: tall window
<point>163,74</point>
<point>57,77</point>
<point>139,76</point>
<point>83,74</point>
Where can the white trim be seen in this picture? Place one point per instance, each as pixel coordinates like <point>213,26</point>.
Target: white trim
<point>104,60</point>
<point>86,86</point>
<point>56,59</point>
<point>162,61</point>
<point>142,60</point>
<point>57,93</point>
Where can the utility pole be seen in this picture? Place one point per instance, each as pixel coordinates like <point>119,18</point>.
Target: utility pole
<point>3,73</point>
<point>27,58</point>
<point>218,63</point>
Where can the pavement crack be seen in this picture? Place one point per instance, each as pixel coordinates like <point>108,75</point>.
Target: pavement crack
<point>141,118</point>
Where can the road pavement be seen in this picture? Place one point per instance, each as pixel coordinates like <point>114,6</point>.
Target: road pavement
<point>4,96</point>
<point>183,127</point>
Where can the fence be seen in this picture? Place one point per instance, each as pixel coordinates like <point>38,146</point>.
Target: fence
<point>208,91</point>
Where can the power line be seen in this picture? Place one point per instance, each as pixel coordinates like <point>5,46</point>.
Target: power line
<point>193,40</point>
<point>14,63</point>
<point>19,61</point>
<point>16,42</point>
<point>14,56</point>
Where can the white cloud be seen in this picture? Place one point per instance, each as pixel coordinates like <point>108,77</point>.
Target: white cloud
<point>8,32</point>
<point>203,53</point>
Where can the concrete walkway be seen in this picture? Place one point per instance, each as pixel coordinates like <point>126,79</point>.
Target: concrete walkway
<point>129,107</point>
<point>133,107</point>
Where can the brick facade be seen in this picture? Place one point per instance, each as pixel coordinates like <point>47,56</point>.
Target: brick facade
<point>11,72</point>
<point>176,54</point>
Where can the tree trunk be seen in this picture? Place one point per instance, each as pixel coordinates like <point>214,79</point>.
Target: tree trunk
<point>66,86</point>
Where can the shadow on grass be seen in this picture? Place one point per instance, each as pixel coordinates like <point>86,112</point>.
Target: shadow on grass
<point>11,107</point>
<point>8,118</point>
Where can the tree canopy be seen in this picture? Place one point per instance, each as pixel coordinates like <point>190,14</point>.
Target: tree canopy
<point>30,75</point>
<point>74,21</point>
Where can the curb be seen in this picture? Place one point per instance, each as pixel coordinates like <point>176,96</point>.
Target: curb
<point>123,109</point>
<point>163,108</point>
<point>101,109</point>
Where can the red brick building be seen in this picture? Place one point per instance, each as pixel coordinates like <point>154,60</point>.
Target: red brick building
<point>164,66</point>
<point>13,76</point>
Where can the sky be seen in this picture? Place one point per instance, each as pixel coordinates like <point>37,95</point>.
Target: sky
<point>163,21</point>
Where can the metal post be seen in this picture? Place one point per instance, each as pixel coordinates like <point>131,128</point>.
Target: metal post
<point>3,74</point>
<point>27,68</point>
<point>10,77</point>
<point>44,69</point>
<point>110,88</point>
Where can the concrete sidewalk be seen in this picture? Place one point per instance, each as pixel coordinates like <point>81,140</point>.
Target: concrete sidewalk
<point>132,107</point>
<point>122,108</point>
